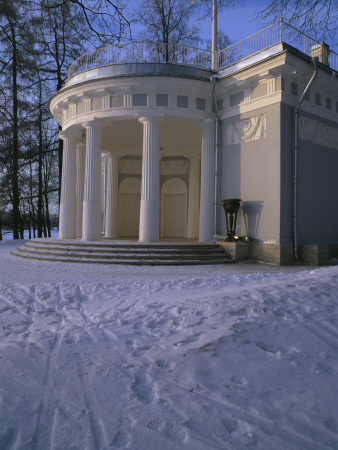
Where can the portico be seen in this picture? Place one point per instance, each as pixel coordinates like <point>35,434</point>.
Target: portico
<point>143,184</point>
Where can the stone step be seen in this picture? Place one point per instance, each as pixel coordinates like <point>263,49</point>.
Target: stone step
<point>123,253</point>
<point>118,244</point>
<point>126,249</point>
<point>146,254</point>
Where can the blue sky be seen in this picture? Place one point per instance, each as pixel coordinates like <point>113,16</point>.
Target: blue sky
<point>237,22</point>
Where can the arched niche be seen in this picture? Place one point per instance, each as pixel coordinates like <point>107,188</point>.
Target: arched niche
<point>174,209</point>
<point>129,207</point>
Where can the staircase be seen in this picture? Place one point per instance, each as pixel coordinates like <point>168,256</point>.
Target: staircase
<point>123,252</point>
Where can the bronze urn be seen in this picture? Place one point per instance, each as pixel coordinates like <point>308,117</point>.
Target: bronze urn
<point>231,207</point>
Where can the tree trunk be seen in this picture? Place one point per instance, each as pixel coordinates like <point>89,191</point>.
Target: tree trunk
<point>15,131</point>
<point>47,213</point>
<point>40,193</point>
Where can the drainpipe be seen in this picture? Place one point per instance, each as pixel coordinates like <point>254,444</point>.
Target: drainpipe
<point>213,79</point>
<point>295,162</point>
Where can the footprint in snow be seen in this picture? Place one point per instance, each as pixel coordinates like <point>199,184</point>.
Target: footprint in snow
<point>8,437</point>
<point>174,432</point>
<point>245,436</point>
<point>231,425</point>
<point>121,440</point>
<point>331,424</point>
<point>142,389</point>
<point>141,350</point>
<point>163,364</point>
<point>239,382</point>
<point>188,340</point>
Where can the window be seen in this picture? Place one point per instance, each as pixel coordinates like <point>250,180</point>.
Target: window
<point>200,104</point>
<point>328,103</point>
<point>161,99</point>
<point>258,91</point>
<point>139,99</point>
<point>236,99</point>
<point>307,96</point>
<point>220,104</point>
<point>294,88</point>
<point>336,107</point>
<point>317,99</point>
<point>182,101</point>
<point>117,101</point>
<point>283,84</point>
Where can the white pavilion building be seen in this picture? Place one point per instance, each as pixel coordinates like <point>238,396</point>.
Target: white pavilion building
<point>153,143</point>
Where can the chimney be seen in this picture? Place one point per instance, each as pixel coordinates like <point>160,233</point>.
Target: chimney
<point>321,51</point>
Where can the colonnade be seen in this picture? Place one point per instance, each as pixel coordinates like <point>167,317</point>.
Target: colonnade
<point>80,205</point>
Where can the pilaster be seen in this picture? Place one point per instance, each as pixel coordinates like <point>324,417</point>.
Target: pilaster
<point>80,170</point>
<point>193,199</point>
<point>207,200</point>
<point>111,224</point>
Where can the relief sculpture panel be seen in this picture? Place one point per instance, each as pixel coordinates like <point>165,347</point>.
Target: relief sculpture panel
<point>130,166</point>
<point>313,131</point>
<point>175,167</point>
<point>246,130</point>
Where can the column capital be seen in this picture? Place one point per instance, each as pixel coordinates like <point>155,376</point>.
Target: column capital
<point>95,123</point>
<point>193,156</point>
<point>113,154</point>
<point>207,123</point>
<point>69,134</point>
<point>149,118</point>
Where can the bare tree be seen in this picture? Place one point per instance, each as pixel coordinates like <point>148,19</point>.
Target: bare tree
<point>223,41</point>
<point>168,22</point>
<point>104,19</point>
<point>318,18</point>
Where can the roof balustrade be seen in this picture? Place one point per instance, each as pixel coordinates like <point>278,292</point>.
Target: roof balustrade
<point>157,52</point>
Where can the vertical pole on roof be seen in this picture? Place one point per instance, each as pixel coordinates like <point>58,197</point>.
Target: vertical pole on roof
<point>214,35</point>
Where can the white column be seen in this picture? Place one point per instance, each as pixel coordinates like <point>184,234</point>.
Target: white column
<point>91,219</point>
<point>207,200</point>
<point>80,169</point>
<point>67,219</point>
<point>150,187</point>
<point>111,225</point>
<point>194,196</point>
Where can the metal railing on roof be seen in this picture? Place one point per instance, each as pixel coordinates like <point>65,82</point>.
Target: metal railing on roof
<point>141,52</point>
<point>154,52</point>
<point>271,35</point>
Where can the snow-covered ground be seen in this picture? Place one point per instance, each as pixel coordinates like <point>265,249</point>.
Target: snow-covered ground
<point>238,356</point>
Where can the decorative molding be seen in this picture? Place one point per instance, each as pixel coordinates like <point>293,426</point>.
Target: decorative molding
<point>130,185</point>
<point>246,130</point>
<point>313,131</point>
<point>130,166</point>
<point>175,167</point>
<point>174,186</point>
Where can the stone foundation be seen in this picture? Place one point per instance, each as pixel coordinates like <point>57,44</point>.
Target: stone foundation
<point>280,255</point>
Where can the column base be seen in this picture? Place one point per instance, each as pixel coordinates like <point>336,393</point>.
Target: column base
<point>67,226</point>
<point>149,221</point>
<point>206,233</point>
